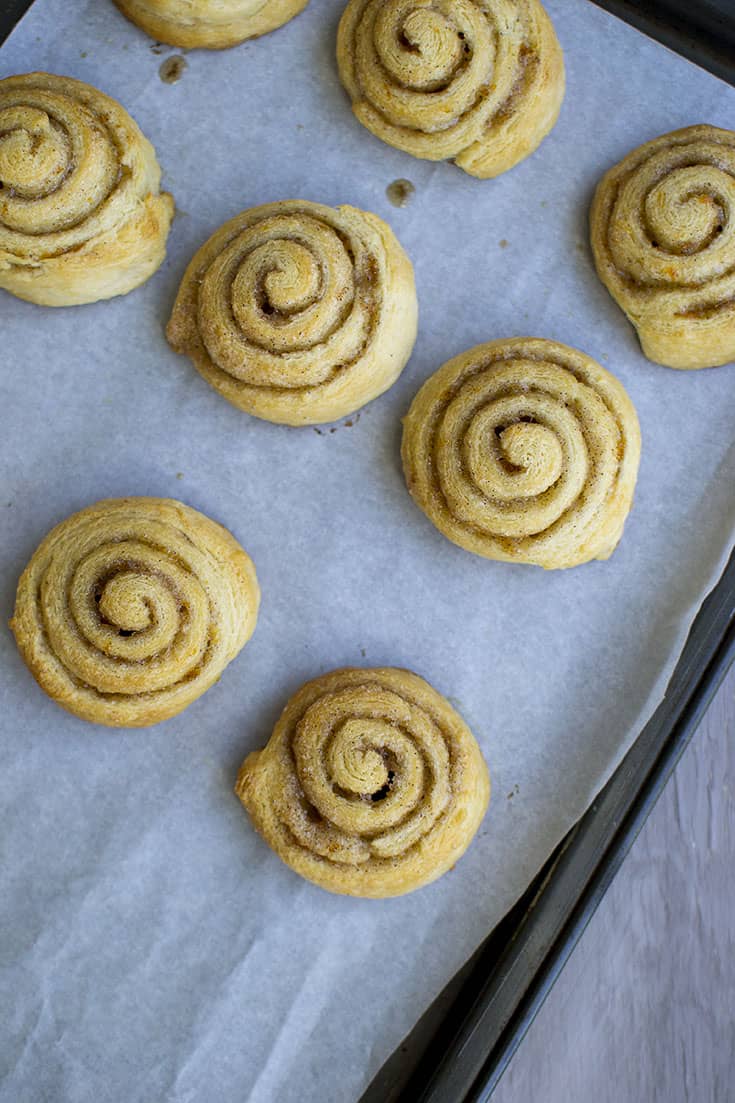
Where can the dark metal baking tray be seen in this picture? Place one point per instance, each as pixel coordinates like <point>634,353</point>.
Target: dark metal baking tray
<point>461,1046</point>
<point>701,30</point>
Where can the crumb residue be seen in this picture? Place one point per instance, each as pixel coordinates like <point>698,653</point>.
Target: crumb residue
<point>513,793</point>
<point>345,424</point>
<point>400,192</point>
<point>172,69</point>
<point>157,47</point>
<point>179,474</point>
<point>503,243</point>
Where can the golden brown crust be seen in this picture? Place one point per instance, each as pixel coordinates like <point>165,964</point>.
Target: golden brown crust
<point>370,785</point>
<point>298,313</point>
<point>130,609</point>
<point>212,24</point>
<point>524,450</point>
<point>477,81</point>
<point>663,237</point>
<point>81,214</point>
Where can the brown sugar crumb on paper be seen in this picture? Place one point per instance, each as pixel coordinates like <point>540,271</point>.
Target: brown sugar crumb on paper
<point>400,192</point>
<point>172,69</point>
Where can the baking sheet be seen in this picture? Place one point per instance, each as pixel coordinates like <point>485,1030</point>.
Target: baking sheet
<point>152,947</point>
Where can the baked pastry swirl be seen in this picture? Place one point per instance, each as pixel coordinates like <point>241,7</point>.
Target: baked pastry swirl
<point>81,214</point>
<point>129,610</point>
<point>477,81</point>
<point>526,451</point>
<point>213,24</point>
<point>298,313</point>
<point>370,785</point>
<point>663,238</point>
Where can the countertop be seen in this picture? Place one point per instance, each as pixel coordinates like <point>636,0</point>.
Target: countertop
<point>645,1008</point>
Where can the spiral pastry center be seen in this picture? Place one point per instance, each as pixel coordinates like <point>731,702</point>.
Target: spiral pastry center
<point>687,209</point>
<point>283,286</point>
<point>295,283</point>
<point>428,66</point>
<point>418,45</point>
<point>512,456</point>
<point>129,602</point>
<point>34,154</point>
<point>356,758</point>
<point>58,164</point>
<point>282,297</point>
<point>276,280</point>
<point>521,460</point>
<point>343,747</point>
<point>670,221</point>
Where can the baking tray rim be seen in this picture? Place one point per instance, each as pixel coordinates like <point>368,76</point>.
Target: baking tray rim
<point>539,934</point>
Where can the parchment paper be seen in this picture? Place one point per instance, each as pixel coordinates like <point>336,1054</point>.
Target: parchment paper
<point>153,948</point>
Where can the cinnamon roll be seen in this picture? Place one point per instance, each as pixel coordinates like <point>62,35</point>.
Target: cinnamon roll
<point>370,785</point>
<point>524,450</point>
<point>81,214</point>
<point>212,24</point>
<point>129,610</point>
<point>477,81</point>
<point>663,238</point>
<point>298,313</point>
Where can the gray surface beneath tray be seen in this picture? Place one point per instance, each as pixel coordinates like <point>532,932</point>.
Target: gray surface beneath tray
<point>644,1010</point>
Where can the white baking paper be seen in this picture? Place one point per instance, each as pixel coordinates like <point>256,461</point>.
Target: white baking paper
<point>153,948</point>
